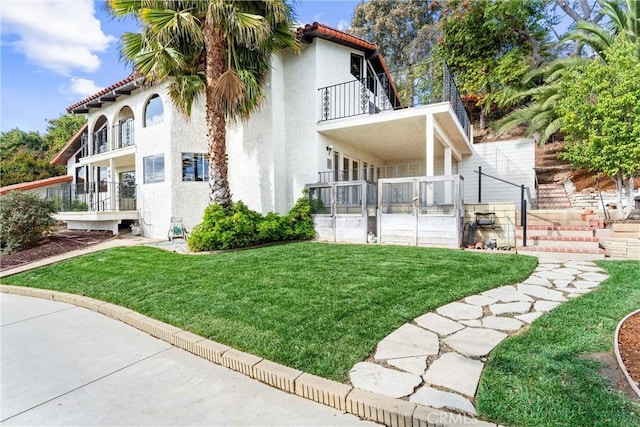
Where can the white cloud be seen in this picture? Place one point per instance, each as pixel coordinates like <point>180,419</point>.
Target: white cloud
<point>343,25</point>
<point>59,35</point>
<point>81,87</point>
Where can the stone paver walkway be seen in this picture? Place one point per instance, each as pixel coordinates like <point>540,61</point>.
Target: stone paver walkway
<point>437,361</point>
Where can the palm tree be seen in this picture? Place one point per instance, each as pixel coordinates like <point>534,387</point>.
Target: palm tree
<point>622,21</point>
<point>217,48</point>
<point>540,116</point>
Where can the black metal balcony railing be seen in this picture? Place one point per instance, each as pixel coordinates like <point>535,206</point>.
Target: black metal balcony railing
<point>84,145</point>
<point>100,141</point>
<point>93,197</point>
<point>427,83</point>
<point>124,132</point>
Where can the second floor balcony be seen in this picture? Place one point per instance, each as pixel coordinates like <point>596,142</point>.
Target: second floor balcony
<point>428,83</point>
<point>108,139</point>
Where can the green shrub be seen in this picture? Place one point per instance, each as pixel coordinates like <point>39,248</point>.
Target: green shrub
<point>24,217</point>
<point>237,226</point>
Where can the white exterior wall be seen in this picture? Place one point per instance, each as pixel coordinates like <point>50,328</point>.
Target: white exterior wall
<point>189,199</point>
<point>513,161</point>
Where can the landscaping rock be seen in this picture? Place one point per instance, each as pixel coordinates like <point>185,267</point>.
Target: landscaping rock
<point>455,372</point>
<point>438,324</point>
<point>540,292</point>
<point>388,382</point>
<point>407,341</point>
<point>529,317</point>
<point>512,307</point>
<point>507,294</point>
<point>439,399</point>
<point>501,323</point>
<point>460,311</point>
<point>413,365</point>
<point>475,342</point>
<point>480,300</point>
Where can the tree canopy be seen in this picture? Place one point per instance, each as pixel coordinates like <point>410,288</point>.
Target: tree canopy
<point>25,156</point>
<point>490,46</point>
<point>600,107</point>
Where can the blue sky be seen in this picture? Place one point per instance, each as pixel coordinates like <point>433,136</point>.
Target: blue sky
<point>54,53</point>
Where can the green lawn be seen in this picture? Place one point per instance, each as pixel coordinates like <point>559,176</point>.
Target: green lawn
<point>316,307</point>
<point>542,377</point>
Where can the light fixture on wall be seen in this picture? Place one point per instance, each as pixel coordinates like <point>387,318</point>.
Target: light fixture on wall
<point>329,149</point>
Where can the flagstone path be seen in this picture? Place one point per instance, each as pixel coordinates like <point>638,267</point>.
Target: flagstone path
<point>437,360</point>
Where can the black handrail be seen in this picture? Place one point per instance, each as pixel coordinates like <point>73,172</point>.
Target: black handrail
<point>426,83</point>
<point>523,201</point>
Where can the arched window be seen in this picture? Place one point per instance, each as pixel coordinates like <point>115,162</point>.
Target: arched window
<point>153,111</point>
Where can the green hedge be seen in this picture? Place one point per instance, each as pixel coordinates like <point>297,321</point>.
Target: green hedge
<point>24,217</point>
<point>237,226</point>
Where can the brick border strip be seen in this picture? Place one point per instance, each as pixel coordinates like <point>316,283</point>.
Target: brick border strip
<point>371,406</point>
<point>616,348</point>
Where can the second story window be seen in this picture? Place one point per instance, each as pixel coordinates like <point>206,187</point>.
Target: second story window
<point>153,111</point>
<point>356,66</point>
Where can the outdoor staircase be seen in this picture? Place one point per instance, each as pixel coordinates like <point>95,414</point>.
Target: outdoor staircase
<point>561,234</point>
<point>553,196</point>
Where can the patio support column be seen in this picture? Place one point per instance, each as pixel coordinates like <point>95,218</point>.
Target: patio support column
<point>448,170</point>
<point>430,151</point>
<point>430,157</point>
<point>111,179</point>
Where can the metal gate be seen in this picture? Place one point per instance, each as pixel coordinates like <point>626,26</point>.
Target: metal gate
<point>421,211</point>
<point>343,211</point>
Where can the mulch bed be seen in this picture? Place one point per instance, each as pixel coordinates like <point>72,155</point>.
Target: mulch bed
<point>54,244</point>
<point>629,344</point>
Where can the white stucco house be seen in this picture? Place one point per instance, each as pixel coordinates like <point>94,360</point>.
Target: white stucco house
<point>332,122</point>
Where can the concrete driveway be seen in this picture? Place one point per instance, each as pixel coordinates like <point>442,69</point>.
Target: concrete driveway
<point>65,365</point>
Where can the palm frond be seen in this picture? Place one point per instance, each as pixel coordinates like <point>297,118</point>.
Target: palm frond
<point>229,93</point>
<point>184,90</point>
<point>552,127</point>
<point>120,8</point>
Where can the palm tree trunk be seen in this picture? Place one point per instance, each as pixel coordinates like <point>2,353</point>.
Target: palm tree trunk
<point>216,124</point>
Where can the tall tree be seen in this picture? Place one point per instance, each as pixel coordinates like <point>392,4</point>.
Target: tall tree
<point>491,45</point>
<point>25,156</point>
<point>405,30</point>
<point>540,112</point>
<point>217,48</point>
<point>600,107</point>
<point>406,33</point>
<point>61,130</point>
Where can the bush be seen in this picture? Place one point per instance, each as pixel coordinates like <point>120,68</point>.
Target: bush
<point>24,217</point>
<point>237,226</point>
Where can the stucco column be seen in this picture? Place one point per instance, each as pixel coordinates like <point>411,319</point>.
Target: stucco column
<point>430,159</point>
<point>448,170</point>
<point>111,186</point>
<point>430,152</point>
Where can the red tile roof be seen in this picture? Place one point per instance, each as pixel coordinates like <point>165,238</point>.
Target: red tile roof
<point>309,31</point>
<point>24,186</point>
<point>304,33</point>
<point>104,91</point>
<point>70,148</point>
<point>325,32</point>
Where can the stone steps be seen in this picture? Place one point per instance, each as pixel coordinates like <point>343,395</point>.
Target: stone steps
<point>560,242</point>
<point>562,254</point>
<point>553,196</point>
